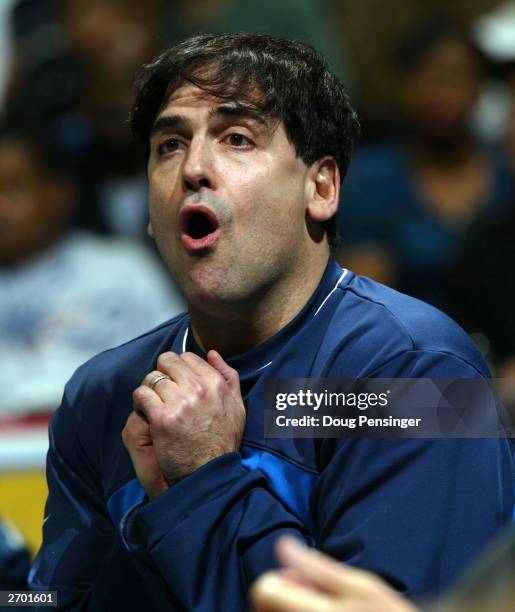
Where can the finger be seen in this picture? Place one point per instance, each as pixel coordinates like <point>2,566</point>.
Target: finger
<point>206,370</point>
<point>137,423</point>
<point>274,593</point>
<point>134,429</point>
<point>165,388</point>
<point>180,372</point>
<point>198,365</point>
<point>288,573</point>
<point>139,443</point>
<point>322,571</point>
<point>146,403</point>
<point>230,374</point>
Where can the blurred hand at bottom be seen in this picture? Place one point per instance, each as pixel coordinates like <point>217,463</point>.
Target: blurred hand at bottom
<point>313,582</point>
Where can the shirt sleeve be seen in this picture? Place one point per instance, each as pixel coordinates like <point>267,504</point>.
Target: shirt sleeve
<point>198,546</point>
<point>415,511</point>
<point>82,556</point>
<point>211,534</point>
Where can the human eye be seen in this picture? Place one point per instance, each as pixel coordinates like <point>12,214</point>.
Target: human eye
<point>239,141</point>
<point>170,145</point>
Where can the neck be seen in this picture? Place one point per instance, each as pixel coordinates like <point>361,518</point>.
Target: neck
<point>233,328</point>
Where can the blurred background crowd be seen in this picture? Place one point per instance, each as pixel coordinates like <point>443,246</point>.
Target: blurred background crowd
<point>428,206</point>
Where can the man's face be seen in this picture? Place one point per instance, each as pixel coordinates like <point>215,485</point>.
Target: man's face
<point>227,199</point>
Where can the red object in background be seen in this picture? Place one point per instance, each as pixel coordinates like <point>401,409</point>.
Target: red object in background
<point>26,422</point>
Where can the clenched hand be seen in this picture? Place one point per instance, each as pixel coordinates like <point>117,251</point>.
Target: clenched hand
<point>185,421</point>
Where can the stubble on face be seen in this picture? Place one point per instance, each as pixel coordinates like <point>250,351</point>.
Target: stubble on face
<point>257,192</point>
<point>264,265</point>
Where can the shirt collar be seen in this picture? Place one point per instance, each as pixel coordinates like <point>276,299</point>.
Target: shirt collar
<point>252,362</point>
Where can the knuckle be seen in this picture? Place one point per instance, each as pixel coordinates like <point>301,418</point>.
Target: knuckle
<point>127,434</point>
<point>162,361</point>
<point>219,384</point>
<point>199,390</point>
<point>169,420</point>
<point>138,394</point>
<point>166,359</point>
<point>183,405</point>
<point>231,371</point>
<point>190,359</point>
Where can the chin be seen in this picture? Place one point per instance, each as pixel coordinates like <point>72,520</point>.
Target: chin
<point>205,286</point>
<point>211,285</point>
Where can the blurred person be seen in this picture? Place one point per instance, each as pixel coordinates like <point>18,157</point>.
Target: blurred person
<point>373,66</point>
<point>485,307</point>
<point>31,29</point>
<point>73,72</point>
<point>64,295</point>
<point>310,581</point>
<point>481,288</point>
<point>406,205</point>
<point>110,40</point>
<point>163,491</point>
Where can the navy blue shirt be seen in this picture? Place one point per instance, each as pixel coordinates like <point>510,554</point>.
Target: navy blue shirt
<point>413,510</point>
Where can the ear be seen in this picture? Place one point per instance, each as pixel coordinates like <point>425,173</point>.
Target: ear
<point>323,189</point>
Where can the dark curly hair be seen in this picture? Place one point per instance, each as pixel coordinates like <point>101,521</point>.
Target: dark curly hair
<point>285,79</point>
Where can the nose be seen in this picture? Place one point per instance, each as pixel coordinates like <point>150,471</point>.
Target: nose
<point>198,168</point>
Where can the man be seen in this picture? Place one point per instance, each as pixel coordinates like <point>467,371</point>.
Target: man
<point>247,139</point>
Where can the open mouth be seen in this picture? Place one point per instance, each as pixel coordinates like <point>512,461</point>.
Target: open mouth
<point>200,227</point>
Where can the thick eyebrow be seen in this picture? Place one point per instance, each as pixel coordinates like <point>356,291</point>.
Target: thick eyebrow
<point>168,121</point>
<point>237,111</point>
